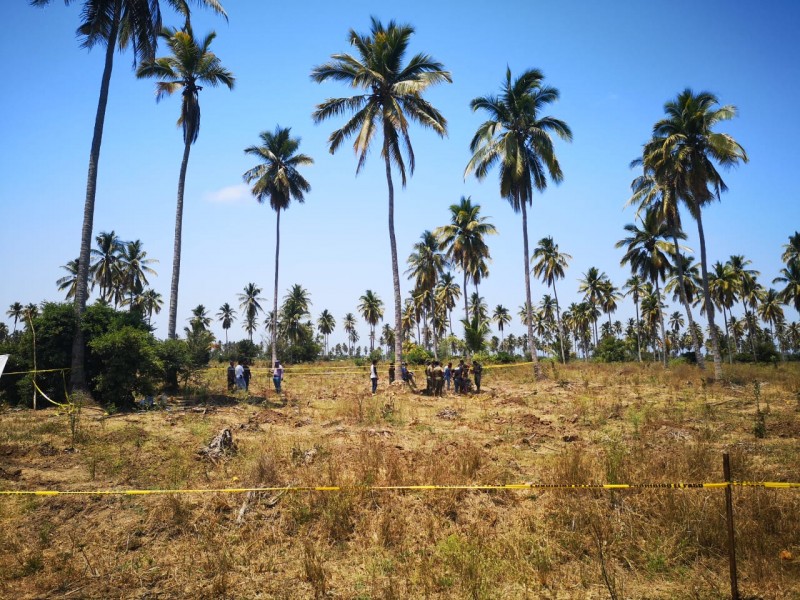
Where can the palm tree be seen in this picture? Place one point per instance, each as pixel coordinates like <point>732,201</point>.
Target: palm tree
<point>518,137</point>
<point>371,308</point>
<point>105,266</point>
<point>447,293</point>
<point>463,241</point>
<point>724,286</point>
<point>790,275</point>
<point>791,251</point>
<point>676,322</point>
<point>277,180</point>
<point>191,64</point>
<point>770,310</point>
<point>296,307</point>
<point>69,281</point>
<point>349,324</point>
<point>633,288</point>
<point>591,286</point>
<point>746,284</point>
<point>393,96</point>
<point>227,315</point>
<point>425,264</point>
<point>648,254</point>
<point>685,144</point>
<point>134,267</point>
<point>111,23</point>
<point>326,323</point>
<point>387,334</point>
<point>549,265</point>
<point>502,317</point>
<point>16,311</point>
<point>150,302</point>
<point>250,305</point>
<point>200,319</point>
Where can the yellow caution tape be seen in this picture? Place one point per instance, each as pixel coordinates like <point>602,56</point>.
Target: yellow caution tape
<point>37,371</point>
<point>383,488</point>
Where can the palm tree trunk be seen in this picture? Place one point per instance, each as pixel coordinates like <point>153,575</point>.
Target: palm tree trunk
<point>558,319</point>
<point>728,334</point>
<point>176,253</point>
<point>433,326</point>
<point>274,325</point>
<point>531,343</point>
<point>398,315</point>
<point>750,331</point>
<point>698,353</point>
<point>661,322</point>
<point>466,305</point>
<point>708,304</point>
<point>638,328</point>
<point>77,374</point>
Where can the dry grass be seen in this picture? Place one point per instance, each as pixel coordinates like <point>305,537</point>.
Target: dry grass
<point>582,424</point>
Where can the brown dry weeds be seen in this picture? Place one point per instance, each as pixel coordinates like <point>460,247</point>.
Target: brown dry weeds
<point>582,424</point>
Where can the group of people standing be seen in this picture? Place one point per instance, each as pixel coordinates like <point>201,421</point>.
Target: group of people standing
<point>437,376</point>
<point>239,375</point>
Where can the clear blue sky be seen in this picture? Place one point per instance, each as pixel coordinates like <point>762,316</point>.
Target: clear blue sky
<point>614,63</point>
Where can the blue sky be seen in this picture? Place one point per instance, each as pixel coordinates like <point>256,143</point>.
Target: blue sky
<point>614,63</point>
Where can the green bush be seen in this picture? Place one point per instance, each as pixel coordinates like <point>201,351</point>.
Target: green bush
<point>176,362</point>
<point>612,349</point>
<point>128,364</point>
<point>414,354</point>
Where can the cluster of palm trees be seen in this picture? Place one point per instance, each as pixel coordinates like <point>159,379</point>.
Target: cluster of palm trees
<point>119,270</point>
<point>679,170</point>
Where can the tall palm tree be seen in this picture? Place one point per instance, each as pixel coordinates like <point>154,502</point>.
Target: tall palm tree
<point>790,275</point>
<point>463,241</point>
<point>134,268</point>
<point>791,251</point>
<point>425,265</point>
<point>296,307</point>
<point>648,254</point>
<point>69,282</point>
<point>517,137</point>
<point>723,284</point>
<point>226,315</point>
<point>591,286</point>
<point>371,308</point>
<point>113,23</point>
<point>191,65</point>
<point>16,311</point>
<point>746,284</point>
<point>770,310</point>
<point>549,265</point>
<point>633,287</point>
<point>150,302</point>
<point>276,180</point>
<point>106,261</point>
<point>349,325</point>
<point>502,317</point>
<point>326,323</point>
<point>685,144</point>
<point>387,335</point>
<point>200,320</point>
<point>392,97</point>
<point>250,305</point>
<point>447,293</point>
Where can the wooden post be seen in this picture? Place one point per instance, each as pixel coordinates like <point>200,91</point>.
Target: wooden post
<point>726,468</point>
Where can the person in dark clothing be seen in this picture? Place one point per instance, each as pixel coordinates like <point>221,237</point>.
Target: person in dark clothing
<point>231,377</point>
<point>477,371</point>
<point>391,373</point>
<point>246,375</point>
<point>458,374</point>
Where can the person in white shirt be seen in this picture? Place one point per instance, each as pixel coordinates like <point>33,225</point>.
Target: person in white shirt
<point>239,376</point>
<point>277,376</point>
<point>373,375</point>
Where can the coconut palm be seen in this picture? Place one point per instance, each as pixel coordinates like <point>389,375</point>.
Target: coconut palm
<point>447,293</point>
<point>746,286</point>
<point>69,281</point>
<point>502,317</point>
<point>517,137</point>
<point>770,310</point>
<point>277,180</point>
<point>326,323</point>
<point>150,302</point>
<point>633,287</point>
<point>425,265</point>
<point>113,23</point>
<point>226,315</point>
<point>250,305</point>
<point>105,262</point>
<point>464,244</point>
<point>549,265</point>
<point>349,325</point>
<point>648,254</point>
<point>371,308</point>
<point>191,65</point>
<point>199,320</point>
<point>387,335</point>
<point>790,275</point>
<point>791,251</point>
<point>685,144</point>
<point>134,267</point>
<point>16,311</point>
<point>591,286</point>
<point>392,97</point>
<point>676,322</point>
<point>723,284</point>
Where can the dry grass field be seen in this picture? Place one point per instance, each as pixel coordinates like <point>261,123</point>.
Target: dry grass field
<point>582,424</point>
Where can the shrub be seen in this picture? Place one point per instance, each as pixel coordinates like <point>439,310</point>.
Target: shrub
<point>414,354</point>
<point>612,349</point>
<point>176,362</point>
<point>128,364</point>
